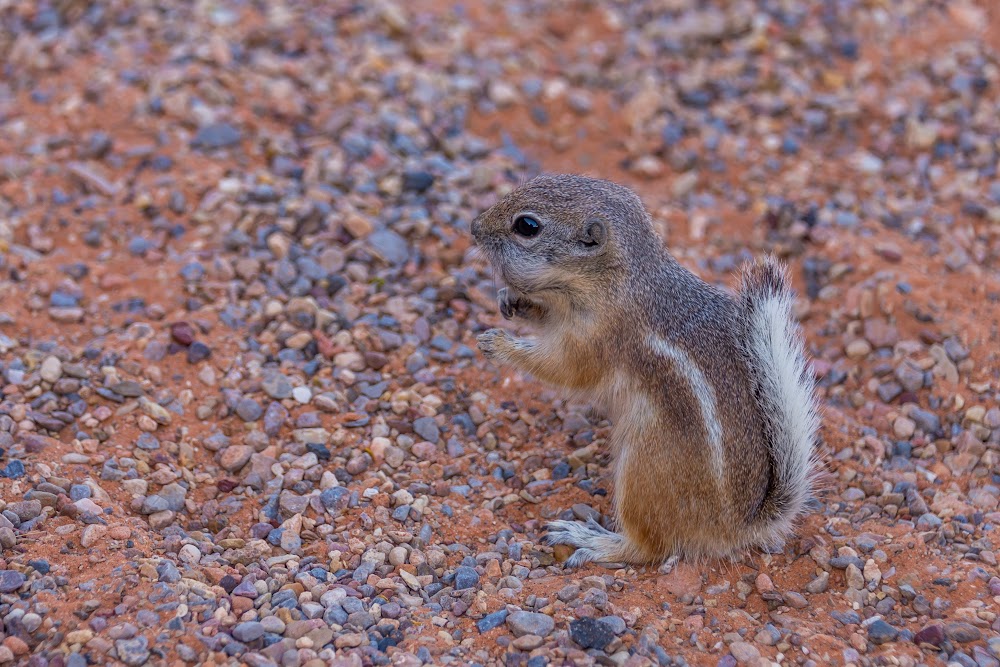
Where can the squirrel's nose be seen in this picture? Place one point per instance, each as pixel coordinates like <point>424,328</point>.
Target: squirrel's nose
<point>475,228</point>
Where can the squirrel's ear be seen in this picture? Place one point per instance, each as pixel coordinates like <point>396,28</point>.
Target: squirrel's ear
<point>594,233</point>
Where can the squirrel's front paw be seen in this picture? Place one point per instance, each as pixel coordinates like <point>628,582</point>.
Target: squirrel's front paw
<point>512,304</point>
<point>494,343</point>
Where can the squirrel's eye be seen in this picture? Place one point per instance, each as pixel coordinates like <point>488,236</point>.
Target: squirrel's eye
<point>525,225</point>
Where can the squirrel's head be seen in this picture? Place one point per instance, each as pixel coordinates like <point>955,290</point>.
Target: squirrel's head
<point>562,233</point>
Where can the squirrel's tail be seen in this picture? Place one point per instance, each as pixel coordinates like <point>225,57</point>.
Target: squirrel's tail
<point>785,389</point>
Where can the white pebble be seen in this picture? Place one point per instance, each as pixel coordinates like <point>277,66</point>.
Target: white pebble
<point>302,394</point>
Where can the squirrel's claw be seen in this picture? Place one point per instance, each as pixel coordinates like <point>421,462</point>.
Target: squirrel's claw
<point>512,304</point>
<point>506,303</point>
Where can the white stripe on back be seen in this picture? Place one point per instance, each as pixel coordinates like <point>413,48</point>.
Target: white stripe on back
<point>701,390</point>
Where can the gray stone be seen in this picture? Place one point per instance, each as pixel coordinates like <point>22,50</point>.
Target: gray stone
<point>168,572</point>
<point>215,136</point>
<point>491,621</point>
<point>335,500</point>
<point>880,632</point>
<point>427,429</point>
<point>276,386</point>
<point>292,503</point>
<point>11,580</point>
<point>249,410</point>
<point>133,652</point>
<point>153,504</point>
<point>466,577</point>
<point>927,421</point>
<point>909,376</point>
<point>529,623</point>
<point>962,633</point>
<point>390,246</point>
<point>745,653</point>
<point>248,632</point>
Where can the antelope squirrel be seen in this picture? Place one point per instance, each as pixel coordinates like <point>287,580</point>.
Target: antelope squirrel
<point>711,401</point>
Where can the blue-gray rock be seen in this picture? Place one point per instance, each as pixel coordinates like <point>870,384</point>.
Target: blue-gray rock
<point>11,580</point>
<point>335,500</point>
<point>41,565</point>
<point>147,618</point>
<point>274,418</point>
<point>490,621</point>
<point>246,589</point>
<point>133,652</point>
<point>248,632</point>
<point>616,623</point>
<point>962,633</point>
<point>881,632</point>
<point>174,494</point>
<point>427,429</point>
<point>63,300</point>
<point>926,421</point>
<point>335,615</point>
<point>276,386</point>
<point>168,572</point>
<point>13,470</point>
<point>153,504</point>
<point>466,577</point>
<point>591,633</point>
<point>148,442</point>
<point>249,410</point>
<point>216,135</point>
<point>417,181</point>
<point>390,246</point>
<point>529,623</point>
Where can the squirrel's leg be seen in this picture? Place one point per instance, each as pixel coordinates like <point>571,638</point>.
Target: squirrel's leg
<point>565,365</point>
<point>593,543</point>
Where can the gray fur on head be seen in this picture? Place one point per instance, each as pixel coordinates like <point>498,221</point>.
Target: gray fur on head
<point>588,226</point>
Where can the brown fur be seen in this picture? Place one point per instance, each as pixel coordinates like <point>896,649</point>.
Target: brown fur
<point>596,309</point>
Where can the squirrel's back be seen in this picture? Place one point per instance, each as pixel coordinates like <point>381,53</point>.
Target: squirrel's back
<point>785,391</point>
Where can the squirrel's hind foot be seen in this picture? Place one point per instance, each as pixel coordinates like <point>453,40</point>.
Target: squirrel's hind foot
<point>593,542</point>
<point>669,565</point>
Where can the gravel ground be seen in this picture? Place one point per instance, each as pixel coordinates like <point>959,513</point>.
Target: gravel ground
<point>242,418</point>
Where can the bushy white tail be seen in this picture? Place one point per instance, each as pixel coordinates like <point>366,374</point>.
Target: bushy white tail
<point>785,390</point>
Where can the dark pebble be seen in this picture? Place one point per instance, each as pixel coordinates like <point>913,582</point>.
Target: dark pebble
<point>466,577</point>
<point>962,633</point>
<point>427,429</point>
<point>591,633</point>
<point>216,135</point>
<point>881,632</point>
<point>491,621</point>
<point>167,572</point>
<point>40,566</point>
<point>932,635</point>
<point>11,580</point>
<point>417,181</point>
<point>335,500</point>
<point>198,351</point>
<point>182,333</point>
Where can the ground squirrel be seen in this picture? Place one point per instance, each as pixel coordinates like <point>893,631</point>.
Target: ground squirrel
<point>712,405</point>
